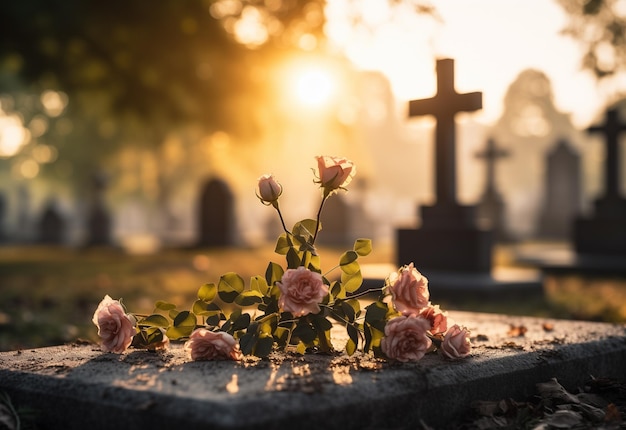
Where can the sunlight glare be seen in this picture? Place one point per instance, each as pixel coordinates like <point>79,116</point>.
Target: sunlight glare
<point>12,135</point>
<point>314,87</point>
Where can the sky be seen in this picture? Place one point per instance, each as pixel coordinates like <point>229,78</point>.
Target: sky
<point>491,41</point>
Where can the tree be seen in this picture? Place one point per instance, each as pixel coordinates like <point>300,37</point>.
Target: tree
<point>600,28</point>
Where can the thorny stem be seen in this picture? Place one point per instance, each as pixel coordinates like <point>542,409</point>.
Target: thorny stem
<point>280,215</point>
<point>319,214</point>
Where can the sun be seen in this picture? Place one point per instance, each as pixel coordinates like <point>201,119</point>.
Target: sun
<point>314,87</point>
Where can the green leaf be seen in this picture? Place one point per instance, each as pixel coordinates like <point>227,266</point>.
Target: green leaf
<point>154,320</point>
<point>248,340</point>
<point>185,318</point>
<point>376,314</point>
<point>164,306</point>
<point>352,282</point>
<point>281,334</point>
<point>337,290</point>
<point>304,331</point>
<point>376,311</point>
<point>258,283</point>
<point>282,245</point>
<point>249,298</point>
<point>353,342</point>
<point>293,259</point>
<point>350,347</point>
<point>301,348</point>
<point>321,323</point>
<point>207,292</point>
<point>264,345</point>
<point>350,309</point>
<point>273,273</point>
<point>230,286</point>
<point>305,229</point>
<point>184,324</point>
<point>315,264</point>
<point>205,309</point>
<point>348,263</point>
<point>242,322</point>
<point>363,247</point>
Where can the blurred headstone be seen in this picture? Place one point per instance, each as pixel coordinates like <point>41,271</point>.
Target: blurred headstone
<point>216,215</point>
<point>51,226</point>
<point>604,232</point>
<point>491,205</point>
<point>562,193</point>
<point>98,220</point>
<point>449,239</point>
<point>25,221</point>
<point>335,222</point>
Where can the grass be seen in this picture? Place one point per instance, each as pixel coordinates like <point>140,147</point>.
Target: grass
<point>48,295</point>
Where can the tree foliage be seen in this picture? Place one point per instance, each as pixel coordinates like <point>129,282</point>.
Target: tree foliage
<point>600,28</point>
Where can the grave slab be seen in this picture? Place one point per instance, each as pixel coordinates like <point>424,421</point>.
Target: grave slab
<point>78,386</point>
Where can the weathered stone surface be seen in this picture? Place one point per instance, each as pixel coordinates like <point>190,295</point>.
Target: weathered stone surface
<point>78,386</point>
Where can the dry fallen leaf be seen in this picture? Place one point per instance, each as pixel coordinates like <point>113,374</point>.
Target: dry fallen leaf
<point>517,330</point>
<point>547,326</point>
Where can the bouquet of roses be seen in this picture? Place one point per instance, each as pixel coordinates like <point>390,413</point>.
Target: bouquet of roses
<point>294,307</point>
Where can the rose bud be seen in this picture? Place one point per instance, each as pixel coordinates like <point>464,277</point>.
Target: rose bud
<point>268,189</point>
<point>456,343</point>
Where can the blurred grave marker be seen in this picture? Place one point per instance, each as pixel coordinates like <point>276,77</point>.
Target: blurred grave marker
<point>51,226</point>
<point>216,215</point>
<point>491,206</point>
<point>99,220</point>
<point>604,232</point>
<point>335,222</point>
<point>454,241</point>
<point>562,192</point>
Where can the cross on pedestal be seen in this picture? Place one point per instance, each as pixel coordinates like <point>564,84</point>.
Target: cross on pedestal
<point>491,155</point>
<point>448,239</point>
<point>491,206</point>
<point>604,233</point>
<point>444,106</point>
<point>611,129</point>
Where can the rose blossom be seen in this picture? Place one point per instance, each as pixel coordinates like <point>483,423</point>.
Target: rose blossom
<point>437,318</point>
<point>456,343</point>
<point>409,290</point>
<point>115,327</point>
<point>301,291</point>
<point>204,344</point>
<point>405,338</point>
<point>334,172</point>
<point>268,189</point>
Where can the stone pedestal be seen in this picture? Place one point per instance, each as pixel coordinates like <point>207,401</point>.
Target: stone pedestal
<point>79,387</point>
<point>448,240</point>
<point>605,232</point>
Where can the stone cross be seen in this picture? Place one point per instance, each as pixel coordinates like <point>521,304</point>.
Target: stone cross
<point>443,106</point>
<point>491,155</point>
<point>611,129</point>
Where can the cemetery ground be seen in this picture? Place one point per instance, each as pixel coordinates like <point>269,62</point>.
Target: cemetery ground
<point>48,294</point>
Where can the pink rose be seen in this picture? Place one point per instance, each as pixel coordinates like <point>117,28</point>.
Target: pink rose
<point>268,189</point>
<point>437,318</point>
<point>115,327</point>
<point>204,344</point>
<point>301,291</point>
<point>409,290</point>
<point>456,343</point>
<point>406,338</point>
<point>334,172</point>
